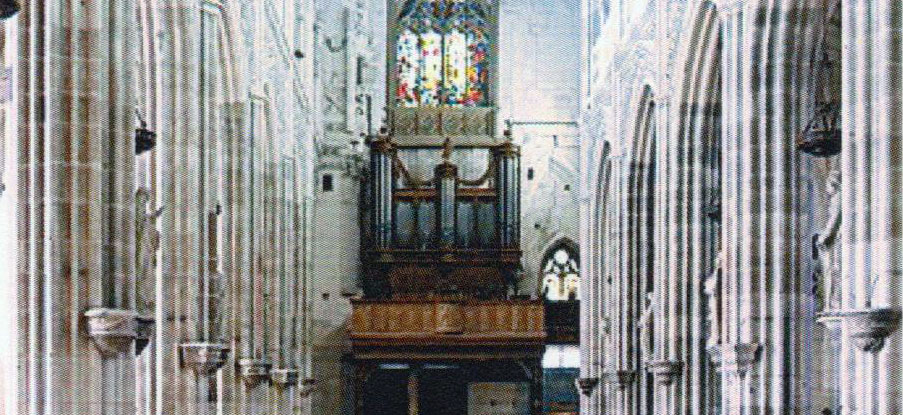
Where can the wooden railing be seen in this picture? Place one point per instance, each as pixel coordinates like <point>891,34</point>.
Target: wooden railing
<point>453,322</point>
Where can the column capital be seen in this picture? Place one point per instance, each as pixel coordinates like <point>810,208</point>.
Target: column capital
<point>144,330</point>
<point>112,330</point>
<point>586,385</point>
<point>285,377</point>
<point>308,386</point>
<point>729,8</point>
<point>714,352</point>
<point>624,378</point>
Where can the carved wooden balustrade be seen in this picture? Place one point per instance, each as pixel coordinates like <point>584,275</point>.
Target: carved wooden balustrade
<point>437,323</point>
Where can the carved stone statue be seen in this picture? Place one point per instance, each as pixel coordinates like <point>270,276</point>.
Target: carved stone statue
<point>147,242</point>
<point>216,282</point>
<point>824,249</point>
<point>647,327</point>
<point>713,306</point>
<point>216,306</point>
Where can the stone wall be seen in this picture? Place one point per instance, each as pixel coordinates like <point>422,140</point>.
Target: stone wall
<point>539,81</point>
<point>349,34</point>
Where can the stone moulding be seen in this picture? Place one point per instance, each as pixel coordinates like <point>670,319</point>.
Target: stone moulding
<point>204,358</point>
<point>308,386</point>
<point>867,328</point>
<point>112,330</point>
<point>738,358</point>
<point>144,330</point>
<point>665,371</point>
<point>285,377</point>
<point>586,385</point>
<point>254,371</point>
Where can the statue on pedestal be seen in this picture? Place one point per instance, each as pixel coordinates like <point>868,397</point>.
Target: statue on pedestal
<point>824,250</point>
<point>713,303</point>
<point>647,327</point>
<point>147,242</point>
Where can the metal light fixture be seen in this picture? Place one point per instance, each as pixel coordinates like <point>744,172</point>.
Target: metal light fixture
<point>144,139</point>
<point>822,135</point>
<point>713,210</point>
<point>8,8</point>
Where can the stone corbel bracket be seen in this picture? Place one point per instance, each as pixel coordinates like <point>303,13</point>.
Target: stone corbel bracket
<point>740,357</point>
<point>254,371</point>
<point>665,371</point>
<point>867,328</point>
<point>144,330</point>
<point>308,386</point>
<point>204,358</point>
<point>285,377</point>
<point>624,378</point>
<point>112,330</point>
<point>586,385</point>
<point>829,318</point>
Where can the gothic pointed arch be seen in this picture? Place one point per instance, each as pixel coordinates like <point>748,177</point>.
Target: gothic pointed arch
<point>696,205</point>
<point>638,278</point>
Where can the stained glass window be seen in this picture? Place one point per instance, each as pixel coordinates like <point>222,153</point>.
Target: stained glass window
<point>442,54</point>
<point>561,276</point>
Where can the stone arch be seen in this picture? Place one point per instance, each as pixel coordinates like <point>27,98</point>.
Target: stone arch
<point>695,207</point>
<point>766,50</point>
<point>638,285</point>
<point>169,37</point>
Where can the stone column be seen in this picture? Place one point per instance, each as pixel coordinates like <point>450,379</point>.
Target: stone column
<point>766,299</point>
<point>76,209</point>
<point>872,226</point>
<point>188,155</point>
<point>588,297</point>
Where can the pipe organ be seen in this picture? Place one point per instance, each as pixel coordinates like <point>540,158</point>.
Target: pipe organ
<point>433,207</point>
<point>437,330</point>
